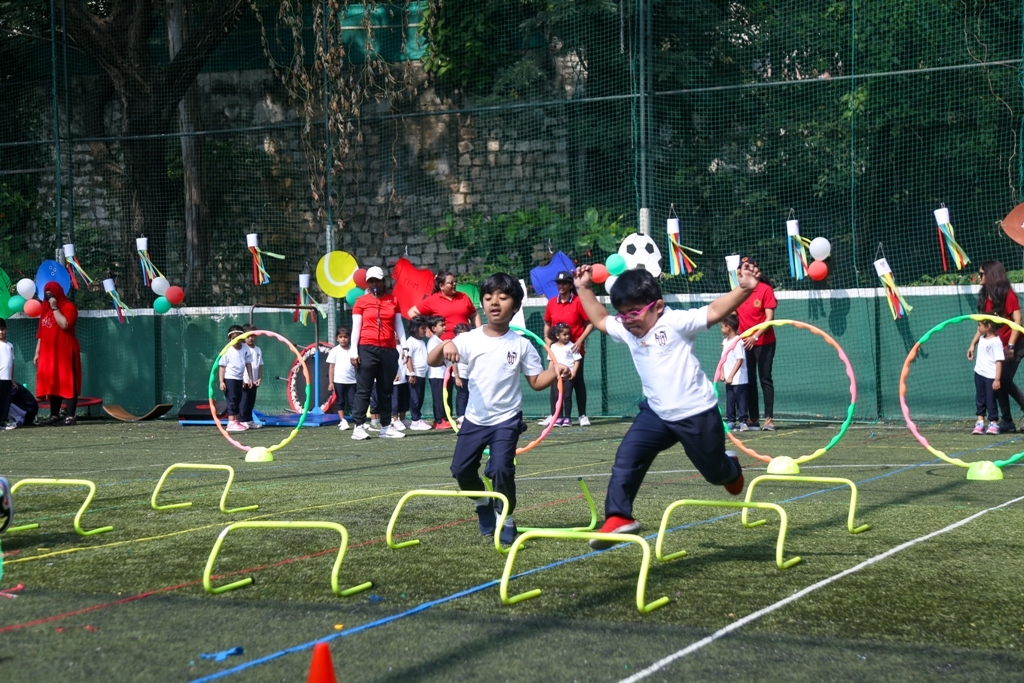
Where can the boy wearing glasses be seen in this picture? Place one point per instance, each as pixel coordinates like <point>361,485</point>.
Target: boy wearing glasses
<point>680,405</point>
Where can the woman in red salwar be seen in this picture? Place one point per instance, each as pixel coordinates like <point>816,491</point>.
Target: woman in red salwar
<point>58,358</point>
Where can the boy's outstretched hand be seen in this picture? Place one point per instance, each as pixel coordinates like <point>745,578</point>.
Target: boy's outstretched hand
<point>748,276</point>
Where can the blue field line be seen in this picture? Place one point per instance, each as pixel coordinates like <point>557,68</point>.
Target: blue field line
<point>490,584</point>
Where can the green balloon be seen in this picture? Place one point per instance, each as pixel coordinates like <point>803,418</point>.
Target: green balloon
<point>615,264</point>
<point>16,303</point>
<point>161,305</point>
<point>354,294</point>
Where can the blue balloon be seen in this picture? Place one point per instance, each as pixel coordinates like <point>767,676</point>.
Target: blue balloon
<point>51,271</point>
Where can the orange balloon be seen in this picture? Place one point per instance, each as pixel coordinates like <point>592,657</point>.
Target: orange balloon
<point>1013,224</point>
<point>599,273</point>
<point>33,307</point>
<point>817,270</point>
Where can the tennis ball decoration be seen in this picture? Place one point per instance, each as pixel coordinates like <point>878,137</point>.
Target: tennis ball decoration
<point>160,285</point>
<point>16,303</point>
<point>598,273</point>
<point>175,294</point>
<point>820,249</point>
<point>817,270</point>
<point>26,288</point>
<point>335,273</point>
<point>33,307</point>
<point>354,294</point>
<point>615,264</point>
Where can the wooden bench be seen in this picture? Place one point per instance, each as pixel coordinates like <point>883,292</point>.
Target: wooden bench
<point>87,402</point>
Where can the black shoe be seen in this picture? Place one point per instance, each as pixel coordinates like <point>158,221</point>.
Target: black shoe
<point>1006,427</point>
<point>48,421</point>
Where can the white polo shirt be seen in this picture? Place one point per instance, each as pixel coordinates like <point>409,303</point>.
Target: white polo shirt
<point>6,360</point>
<point>990,350</point>
<point>737,353</point>
<point>418,354</point>
<point>234,362</point>
<point>344,371</point>
<point>256,353</point>
<point>496,364</point>
<point>432,372</point>
<point>674,384</point>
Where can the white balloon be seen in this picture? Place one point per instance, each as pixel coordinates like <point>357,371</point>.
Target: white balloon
<point>820,248</point>
<point>609,282</point>
<point>26,288</point>
<point>160,285</point>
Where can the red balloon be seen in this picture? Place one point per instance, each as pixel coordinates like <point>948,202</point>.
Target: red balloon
<point>360,277</point>
<point>599,273</point>
<point>175,294</point>
<point>33,307</point>
<point>817,270</point>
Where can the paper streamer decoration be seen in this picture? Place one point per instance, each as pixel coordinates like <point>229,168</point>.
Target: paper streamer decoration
<point>732,264</point>
<point>797,248</point>
<point>122,310</point>
<point>74,267</point>
<point>678,260</point>
<point>305,299</point>
<point>898,306</point>
<point>149,271</point>
<point>948,241</point>
<point>260,276</point>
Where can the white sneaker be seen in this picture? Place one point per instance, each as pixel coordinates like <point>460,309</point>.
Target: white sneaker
<point>374,425</point>
<point>545,422</point>
<point>420,426</point>
<point>390,432</point>
<point>359,433</point>
<point>236,426</point>
<point>254,425</point>
<point>584,421</point>
<point>343,425</point>
<point>11,424</point>
<point>398,424</point>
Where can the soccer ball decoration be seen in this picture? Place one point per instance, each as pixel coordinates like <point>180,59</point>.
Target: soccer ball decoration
<point>640,251</point>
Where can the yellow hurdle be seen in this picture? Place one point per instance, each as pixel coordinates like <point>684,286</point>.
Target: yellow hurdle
<point>81,511</point>
<point>190,466</point>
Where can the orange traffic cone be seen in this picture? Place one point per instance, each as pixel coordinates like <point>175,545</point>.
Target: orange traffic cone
<point>322,669</point>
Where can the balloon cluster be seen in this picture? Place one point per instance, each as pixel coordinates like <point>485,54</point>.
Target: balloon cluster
<point>25,300</point>
<point>820,249</point>
<point>606,273</point>
<point>167,295</point>
<point>359,277</point>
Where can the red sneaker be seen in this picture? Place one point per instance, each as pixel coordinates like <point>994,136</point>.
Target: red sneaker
<point>443,424</point>
<point>735,488</point>
<point>614,525</point>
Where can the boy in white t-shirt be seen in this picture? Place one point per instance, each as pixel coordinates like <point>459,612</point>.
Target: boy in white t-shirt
<point>343,375</point>
<point>252,381</point>
<point>680,404</point>
<point>6,378</point>
<point>988,369</point>
<point>562,348</point>
<point>418,377</point>
<point>734,374</point>
<point>235,366</point>
<point>496,357</point>
<point>400,391</point>
<point>435,375</point>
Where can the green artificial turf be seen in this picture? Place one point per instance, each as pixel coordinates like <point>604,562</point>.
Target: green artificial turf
<point>947,607</point>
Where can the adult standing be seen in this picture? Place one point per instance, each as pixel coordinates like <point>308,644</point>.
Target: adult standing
<point>566,308</point>
<point>377,330</point>
<point>997,297</point>
<point>58,357</point>
<point>759,307</point>
<point>447,302</point>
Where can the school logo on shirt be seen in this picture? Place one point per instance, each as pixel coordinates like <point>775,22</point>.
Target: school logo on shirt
<point>661,337</point>
<point>512,355</point>
<point>757,303</point>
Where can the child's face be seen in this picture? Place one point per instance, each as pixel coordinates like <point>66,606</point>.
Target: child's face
<point>343,341</point>
<point>3,334</point>
<point>727,330</point>
<point>563,337</point>
<point>984,328</point>
<point>235,341</point>
<point>638,319</point>
<point>499,307</point>
<point>439,329</point>
<point>250,340</point>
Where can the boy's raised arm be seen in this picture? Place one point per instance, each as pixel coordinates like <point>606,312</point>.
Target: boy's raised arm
<point>748,276</point>
<point>594,308</point>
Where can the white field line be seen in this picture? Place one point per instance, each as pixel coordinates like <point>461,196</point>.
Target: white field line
<point>754,616</point>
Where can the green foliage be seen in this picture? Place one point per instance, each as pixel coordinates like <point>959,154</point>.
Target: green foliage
<point>465,46</point>
<point>19,215</point>
<point>518,241</point>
